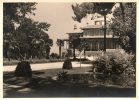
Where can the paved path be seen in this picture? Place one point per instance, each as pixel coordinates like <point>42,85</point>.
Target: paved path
<point>46,66</point>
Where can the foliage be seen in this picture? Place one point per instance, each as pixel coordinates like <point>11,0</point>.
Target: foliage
<point>30,36</point>
<point>84,45</point>
<point>75,42</point>
<point>81,10</point>
<point>114,63</point>
<point>125,29</point>
<point>60,43</point>
<point>54,56</point>
<point>23,69</point>
<point>69,53</point>
<point>67,64</point>
<point>63,76</point>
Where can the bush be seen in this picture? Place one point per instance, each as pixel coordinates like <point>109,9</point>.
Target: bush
<point>62,76</point>
<point>23,69</point>
<point>120,67</point>
<point>55,56</point>
<point>114,62</point>
<point>67,64</point>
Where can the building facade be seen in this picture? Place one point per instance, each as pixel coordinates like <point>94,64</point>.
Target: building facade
<point>93,35</point>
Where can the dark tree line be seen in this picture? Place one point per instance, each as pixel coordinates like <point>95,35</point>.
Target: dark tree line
<point>22,36</point>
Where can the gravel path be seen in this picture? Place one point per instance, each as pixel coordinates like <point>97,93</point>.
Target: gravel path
<point>45,66</point>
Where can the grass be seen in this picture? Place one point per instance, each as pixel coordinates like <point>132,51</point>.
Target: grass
<point>33,61</point>
<point>42,85</point>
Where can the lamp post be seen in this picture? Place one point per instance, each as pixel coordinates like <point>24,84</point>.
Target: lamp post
<point>104,12</point>
<point>104,9</point>
<point>105,29</point>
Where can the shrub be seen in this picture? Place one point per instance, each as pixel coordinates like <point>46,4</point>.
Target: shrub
<point>63,76</point>
<point>121,67</point>
<point>55,56</point>
<point>23,69</point>
<point>113,62</point>
<point>67,64</point>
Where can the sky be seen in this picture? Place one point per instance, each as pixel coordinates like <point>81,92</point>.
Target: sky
<point>59,15</point>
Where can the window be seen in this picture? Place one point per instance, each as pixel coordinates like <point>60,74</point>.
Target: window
<point>102,22</point>
<point>92,32</point>
<point>97,23</point>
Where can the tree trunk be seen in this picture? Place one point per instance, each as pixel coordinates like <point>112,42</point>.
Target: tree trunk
<point>74,57</point>
<point>104,33</point>
<point>60,51</point>
<point>84,54</point>
<point>122,9</point>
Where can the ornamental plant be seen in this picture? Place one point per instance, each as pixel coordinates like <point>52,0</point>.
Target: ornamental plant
<point>114,63</point>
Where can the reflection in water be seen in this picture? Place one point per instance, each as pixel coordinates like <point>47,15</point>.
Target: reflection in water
<point>98,79</point>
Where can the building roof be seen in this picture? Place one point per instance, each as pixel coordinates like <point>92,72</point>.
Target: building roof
<point>92,26</point>
<point>101,19</point>
<point>91,37</point>
<point>65,39</point>
<point>76,31</point>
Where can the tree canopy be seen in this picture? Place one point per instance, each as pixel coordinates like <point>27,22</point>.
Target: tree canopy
<point>21,28</point>
<point>125,29</point>
<point>75,43</point>
<point>81,10</point>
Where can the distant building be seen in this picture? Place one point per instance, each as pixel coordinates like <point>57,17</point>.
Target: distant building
<point>94,35</point>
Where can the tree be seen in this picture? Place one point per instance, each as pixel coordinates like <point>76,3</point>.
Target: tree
<point>60,43</point>
<point>48,46</point>
<point>48,43</point>
<point>83,46</point>
<point>37,46</point>
<point>75,42</point>
<point>18,11</point>
<point>81,10</point>
<point>24,30</point>
<point>15,13</point>
<point>126,31</point>
<point>43,26</point>
<point>10,46</point>
<point>40,37</point>
<point>122,10</point>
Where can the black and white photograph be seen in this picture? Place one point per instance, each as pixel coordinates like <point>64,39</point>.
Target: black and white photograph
<point>69,49</point>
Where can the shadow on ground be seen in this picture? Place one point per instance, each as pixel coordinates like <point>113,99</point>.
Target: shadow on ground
<point>46,87</point>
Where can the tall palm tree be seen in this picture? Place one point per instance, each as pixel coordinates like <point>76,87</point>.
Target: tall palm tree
<point>60,43</point>
<point>37,46</point>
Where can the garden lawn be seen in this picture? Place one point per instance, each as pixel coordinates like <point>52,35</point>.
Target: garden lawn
<point>33,61</point>
<point>43,84</point>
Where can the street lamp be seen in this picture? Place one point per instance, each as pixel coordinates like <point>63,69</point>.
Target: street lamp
<point>104,9</point>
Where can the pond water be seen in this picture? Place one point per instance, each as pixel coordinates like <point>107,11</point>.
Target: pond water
<point>100,79</point>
